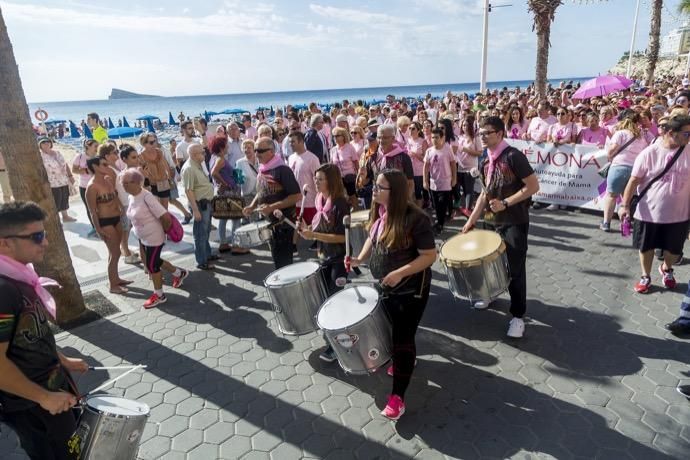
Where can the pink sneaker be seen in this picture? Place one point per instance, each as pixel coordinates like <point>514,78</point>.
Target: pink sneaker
<point>395,408</point>
<point>669,280</point>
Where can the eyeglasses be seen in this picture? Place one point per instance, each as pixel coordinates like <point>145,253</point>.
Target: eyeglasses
<point>485,133</point>
<point>378,188</point>
<point>263,150</point>
<point>685,134</point>
<point>560,113</point>
<point>36,237</point>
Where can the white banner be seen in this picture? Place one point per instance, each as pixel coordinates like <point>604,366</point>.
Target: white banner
<point>567,173</point>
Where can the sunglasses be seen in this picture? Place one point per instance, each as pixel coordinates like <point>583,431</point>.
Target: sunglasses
<point>262,150</point>
<point>36,237</point>
<point>152,142</point>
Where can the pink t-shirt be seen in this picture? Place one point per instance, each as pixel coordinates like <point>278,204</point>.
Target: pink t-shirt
<point>516,131</point>
<point>627,156</point>
<point>440,171</point>
<point>539,129</point>
<point>597,137</point>
<point>345,158</point>
<point>563,134</point>
<point>303,167</point>
<point>359,147</point>
<point>415,148</point>
<point>144,213</point>
<point>666,202</point>
<point>466,161</point>
<point>80,162</point>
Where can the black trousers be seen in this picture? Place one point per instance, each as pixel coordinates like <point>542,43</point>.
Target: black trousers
<point>332,270</point>
<point>465,188</point>
<point>443,204</point>
<point>281,245</point>
<point>515,237</point>
<point>405,312</point>
<point>43,436</point>
<point>82,194</point>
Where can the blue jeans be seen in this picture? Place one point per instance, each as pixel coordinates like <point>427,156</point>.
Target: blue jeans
<point>223,237</point>
<point>202,230</point>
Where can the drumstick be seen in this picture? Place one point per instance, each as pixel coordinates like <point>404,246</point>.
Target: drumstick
<point>111,381</point>
<point>108,368</point>
<point>279,215</point>
<point>304,198</point>
<point>348,258</point>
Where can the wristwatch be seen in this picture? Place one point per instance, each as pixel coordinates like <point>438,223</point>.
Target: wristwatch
<point>504,203</point>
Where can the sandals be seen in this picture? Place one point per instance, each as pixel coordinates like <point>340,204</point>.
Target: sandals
<point>119,290</point>
<point>205,267</point>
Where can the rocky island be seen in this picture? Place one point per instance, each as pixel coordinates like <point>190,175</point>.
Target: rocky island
<point>122,94</point>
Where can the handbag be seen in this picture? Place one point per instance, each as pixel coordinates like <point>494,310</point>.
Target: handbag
<point>174,230</point>
<point>636,198</point>
<point>227,206</point>
<point>604,170</point>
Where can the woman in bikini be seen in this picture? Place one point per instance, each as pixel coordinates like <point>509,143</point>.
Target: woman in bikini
<point>155,168</point>
<point>105,209</point>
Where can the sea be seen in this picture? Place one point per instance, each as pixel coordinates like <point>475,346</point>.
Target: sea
<point>196,105</point>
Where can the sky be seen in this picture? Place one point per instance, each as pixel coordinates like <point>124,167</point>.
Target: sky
<point>78,50</point>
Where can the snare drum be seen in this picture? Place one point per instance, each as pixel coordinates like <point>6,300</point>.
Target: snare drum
<point>109,428</point>
<point>476,264</point>
<point>253,234</point>
<point>357,327</point>
<point>296,292</point>
<point>358,232</point>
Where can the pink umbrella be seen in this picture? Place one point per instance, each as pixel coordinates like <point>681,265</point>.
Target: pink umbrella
<point>601,86</point>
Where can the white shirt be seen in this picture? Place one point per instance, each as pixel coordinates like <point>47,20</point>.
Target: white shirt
<point>181,150</point>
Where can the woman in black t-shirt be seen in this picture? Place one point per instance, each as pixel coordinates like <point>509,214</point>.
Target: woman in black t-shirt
<point>402,249</point>
<point>328,230</point>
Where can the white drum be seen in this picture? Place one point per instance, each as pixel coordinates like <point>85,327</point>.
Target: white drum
<point>296,292</point>
<point>110,428</point>
<point>358,231</point>
<point>358,328</point>
<point>253,234</point>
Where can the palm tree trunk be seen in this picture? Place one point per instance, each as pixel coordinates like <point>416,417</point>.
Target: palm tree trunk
<point>653,47</point>
<point>29,180</point>
<point>540,79</point>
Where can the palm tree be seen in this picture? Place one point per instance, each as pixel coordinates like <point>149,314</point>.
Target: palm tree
<point>544,12</point>
<point>684,7</point>
<point>653,46</point>
<point>29,180</point>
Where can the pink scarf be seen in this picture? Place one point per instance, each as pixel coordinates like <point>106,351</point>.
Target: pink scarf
<point>26,274</point>
<point>397,149</point>
<point>379,225</point>
<point>272,164</point>
<point>493,156</point>
<point>322,210</point>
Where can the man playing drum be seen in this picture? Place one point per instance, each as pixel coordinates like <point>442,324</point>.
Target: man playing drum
<point>508,182</point>
<point>36,390</point>
<point>276,189</point>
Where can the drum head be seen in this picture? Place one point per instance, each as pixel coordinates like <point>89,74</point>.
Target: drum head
<point>251,227</point>
<point>359,217</point>
<point>291,273</point>
<point>347,307</point>
<point>474,245</point>
<point>116,405</point>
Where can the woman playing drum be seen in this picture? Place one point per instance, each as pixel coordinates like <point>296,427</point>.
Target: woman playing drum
<point>328,230</point>
<point>402,249</point>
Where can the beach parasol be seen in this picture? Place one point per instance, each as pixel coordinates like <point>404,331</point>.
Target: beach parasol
<point>52,121</point>
<point>120,133</point>
<point>171,120</point>
<point>110,123</point>
<point>601,86</point>
<point>73,131</point>
<point>125,123</point>
<point>148,117</point>
<point>149,125</point>
<point>233,111</point>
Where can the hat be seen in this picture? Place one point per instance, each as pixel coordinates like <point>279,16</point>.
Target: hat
<point>373,122</point>
<point>41,140</point>
<point>340,118</point>
<point>371,137</point>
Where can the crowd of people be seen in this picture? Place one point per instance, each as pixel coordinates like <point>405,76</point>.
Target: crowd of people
<point>406,161</point>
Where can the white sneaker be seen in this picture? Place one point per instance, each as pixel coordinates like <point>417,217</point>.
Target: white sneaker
<point>552,207</point>
<point>481,304</point>
<point>133,259</point>
<point>516,328</point>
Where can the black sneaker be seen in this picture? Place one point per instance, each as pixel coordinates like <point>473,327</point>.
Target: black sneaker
<point>328,355</point>
<point>684,390</point>
<point>313,246</point>
<point>679,326</point>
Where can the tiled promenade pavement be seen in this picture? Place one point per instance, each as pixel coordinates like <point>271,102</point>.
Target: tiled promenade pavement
<point>594,377</point>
